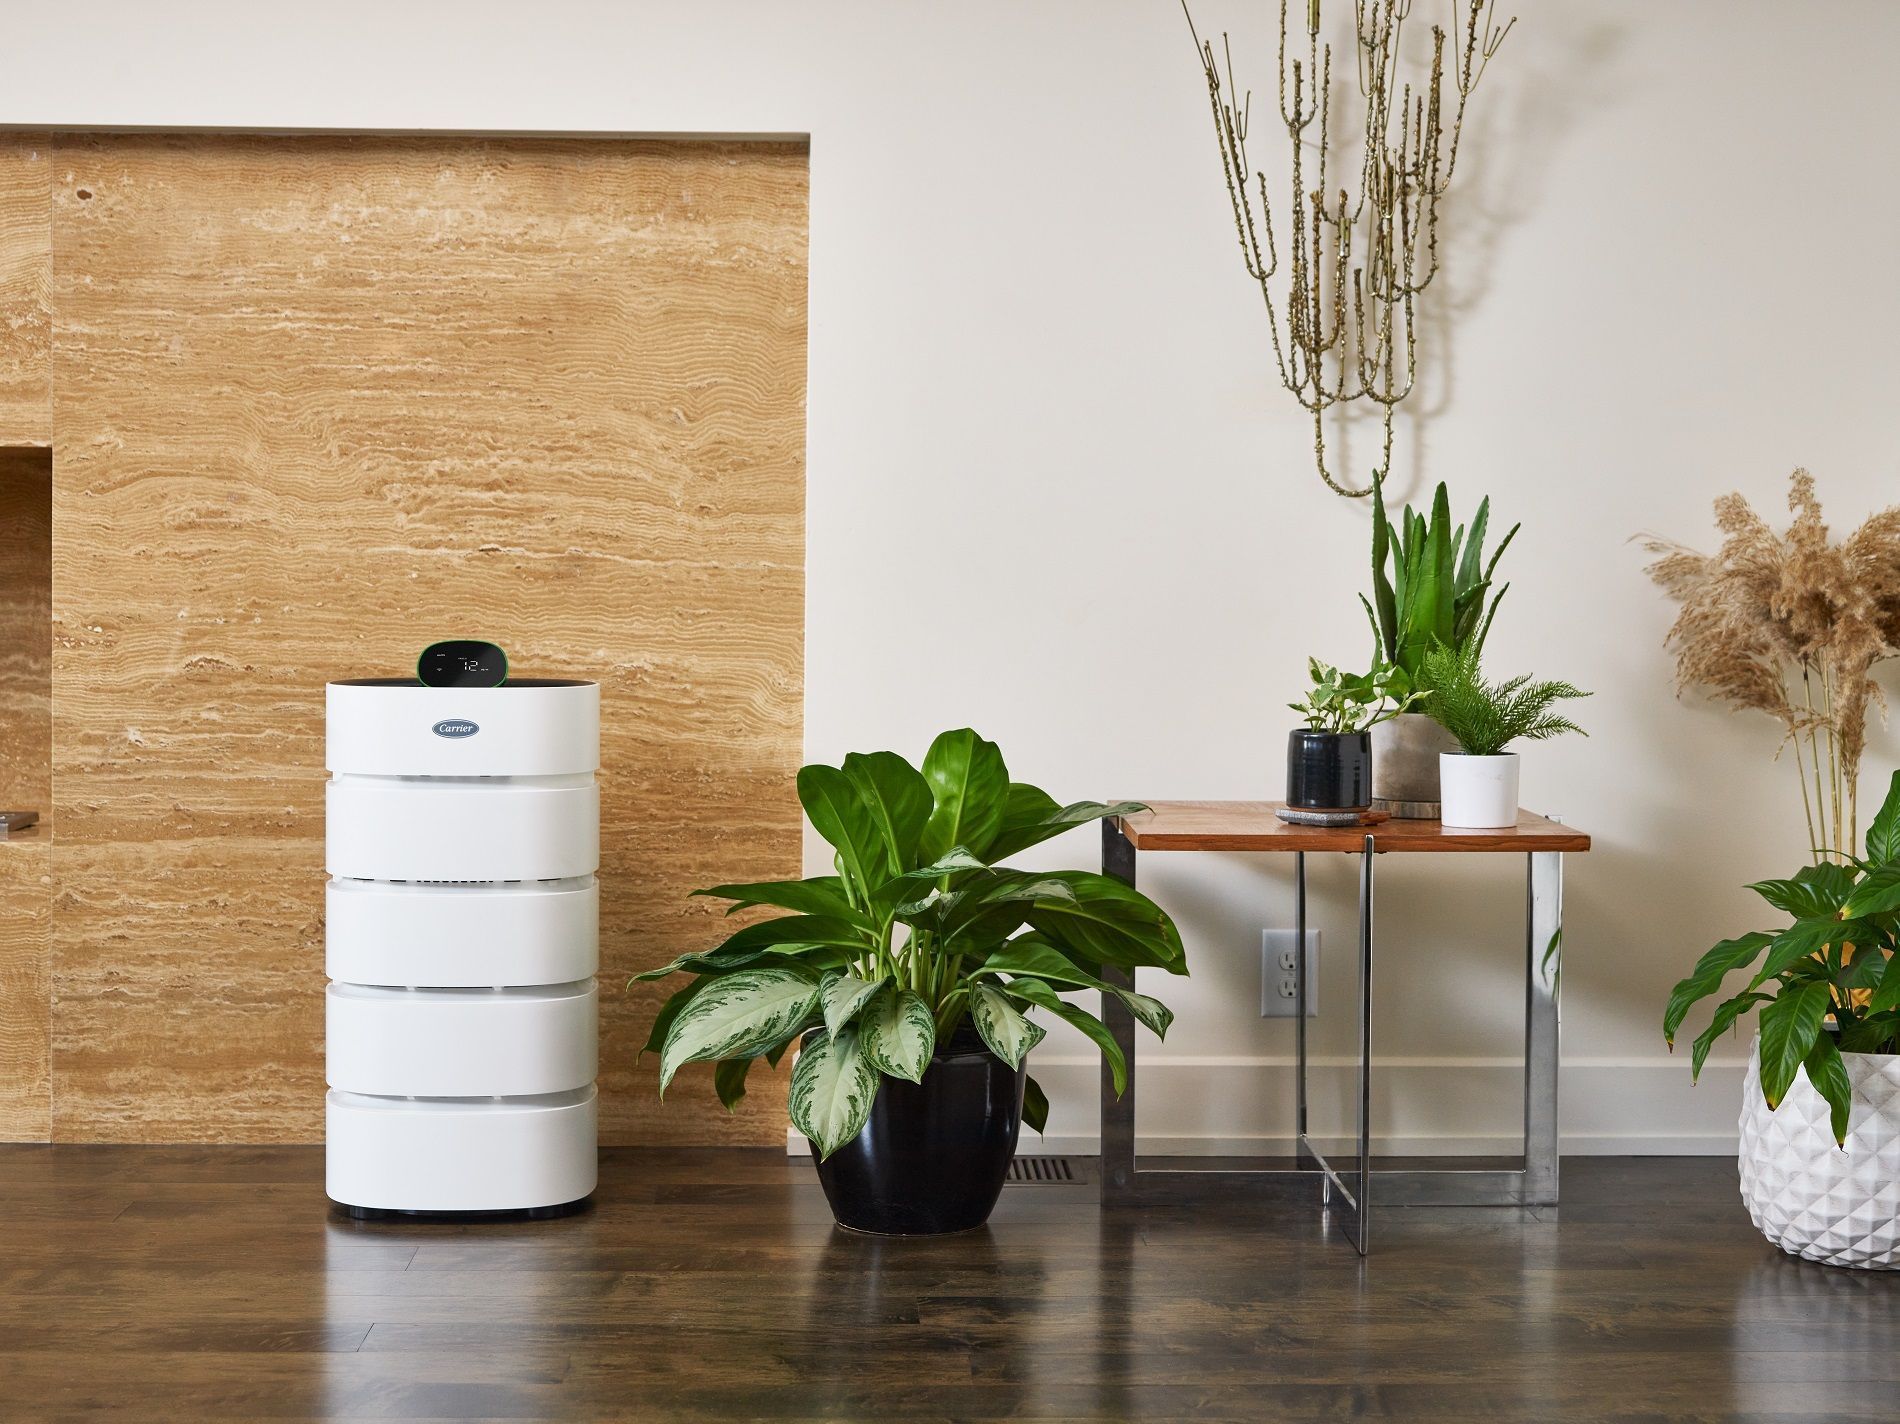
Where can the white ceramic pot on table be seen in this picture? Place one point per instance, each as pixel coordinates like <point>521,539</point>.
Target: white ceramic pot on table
<point>1477,792</point>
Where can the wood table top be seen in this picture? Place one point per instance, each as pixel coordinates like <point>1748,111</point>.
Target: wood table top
<point>1252,826</point>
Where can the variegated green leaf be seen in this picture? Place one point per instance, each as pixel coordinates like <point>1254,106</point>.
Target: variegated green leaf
<point>1002,1025</point>
<point>736,1016</point>
<point>832,1089</point>
<point>897,1034</point>
<point>841,996</point>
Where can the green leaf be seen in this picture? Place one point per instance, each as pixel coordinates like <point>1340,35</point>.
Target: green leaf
<point>1386,622</point>
<point>1031,816</point>
<point>899,801</point>
<point>1883,836</point>
<point>735,1016</point>
<point>841,996</point>
<point>1829,1076</point>
<point>1035,1104</point>
<point>1816,890</point>
<point>1468,567</point>
<point>969,788</point>
<point>729,1081</point>
<point>1878,893</point>
<point>973,920</point>
<point>1725,1015</point>
<point>898,1035</point>
<point>1111,923</point>
<point>1707,977</point>
<point>954,861</point>
<point>1887,995</point>
<point>1036,957</point>
<point>821,895</point>
<point>1877,1033</point>
<point>670,1010</point>
<point>1031,991</point>
<point>1002,1026</point>
<point>1788,1029</point>
<point>832,1089</point>
<point>748,946</point>
<point>1803,940</point>
<point>838,813</point>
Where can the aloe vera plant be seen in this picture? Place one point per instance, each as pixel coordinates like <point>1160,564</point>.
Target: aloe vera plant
<point>920,928</point>
<point>1435,593</point>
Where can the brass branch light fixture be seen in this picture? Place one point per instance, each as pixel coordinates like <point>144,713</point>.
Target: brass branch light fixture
<point>1344,318</point>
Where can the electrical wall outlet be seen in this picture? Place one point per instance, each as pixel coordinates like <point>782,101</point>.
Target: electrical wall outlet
<point>1279,986</point>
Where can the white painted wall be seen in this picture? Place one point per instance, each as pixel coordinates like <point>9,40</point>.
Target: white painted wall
<point>1053,495</point>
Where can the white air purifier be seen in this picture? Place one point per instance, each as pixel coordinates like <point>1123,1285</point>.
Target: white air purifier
<point>462,938</point>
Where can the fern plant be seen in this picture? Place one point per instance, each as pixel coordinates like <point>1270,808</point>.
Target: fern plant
<point>1486,717</point>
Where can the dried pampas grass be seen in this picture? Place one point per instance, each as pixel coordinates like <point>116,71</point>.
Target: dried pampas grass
<point>1791,625</point>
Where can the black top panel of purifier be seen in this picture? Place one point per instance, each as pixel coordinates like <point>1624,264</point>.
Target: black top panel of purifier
<point>462,662</point>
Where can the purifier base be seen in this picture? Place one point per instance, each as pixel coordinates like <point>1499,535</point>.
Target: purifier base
<point>440,1156</point>
<point>521,1213</point>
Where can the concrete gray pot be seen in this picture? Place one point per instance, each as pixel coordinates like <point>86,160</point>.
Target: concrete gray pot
<point>1405,751</point>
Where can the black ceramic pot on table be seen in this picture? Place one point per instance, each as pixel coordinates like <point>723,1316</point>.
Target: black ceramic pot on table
<point>1328,771</point>
<point>933,1156</point>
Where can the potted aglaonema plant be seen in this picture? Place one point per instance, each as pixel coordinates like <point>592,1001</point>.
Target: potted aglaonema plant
<point>1329,761</point>
<point>1435,595</point>
<point>909,978</point>
<point>1479,781</point>
<point>1820,1126</point>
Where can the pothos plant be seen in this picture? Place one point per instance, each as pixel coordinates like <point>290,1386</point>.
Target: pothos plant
<point>920,929</point>
<point>1836,961</point>
<point>1347,702</point>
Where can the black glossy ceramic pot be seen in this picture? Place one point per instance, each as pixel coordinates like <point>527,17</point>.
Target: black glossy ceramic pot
<point>934,1154</point>
<point>1328,771</point>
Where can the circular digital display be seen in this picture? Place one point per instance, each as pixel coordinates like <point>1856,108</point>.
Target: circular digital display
<point>462,662</point>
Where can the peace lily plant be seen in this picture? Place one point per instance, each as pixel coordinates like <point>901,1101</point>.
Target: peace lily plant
<point>920,928</point>
<point>1834,963</point>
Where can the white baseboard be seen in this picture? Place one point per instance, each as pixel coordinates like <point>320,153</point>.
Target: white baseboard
<point>1239,1106</point>
<point>1149,1144</point>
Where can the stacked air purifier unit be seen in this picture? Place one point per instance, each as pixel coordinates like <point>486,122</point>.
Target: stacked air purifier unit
<point>463,836</point>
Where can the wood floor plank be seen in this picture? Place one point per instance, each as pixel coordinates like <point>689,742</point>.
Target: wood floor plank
<point>710,1285</point>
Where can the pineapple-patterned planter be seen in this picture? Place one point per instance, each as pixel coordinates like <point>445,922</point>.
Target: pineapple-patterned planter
<point>1814,1199</point>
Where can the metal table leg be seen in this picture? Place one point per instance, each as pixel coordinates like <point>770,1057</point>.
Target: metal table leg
<point>1545,915</point>
<point>1533,1185</point>
<point>1118,1114</point>
<point>1359,1195</point>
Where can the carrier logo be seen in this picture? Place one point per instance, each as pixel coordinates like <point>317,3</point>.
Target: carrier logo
<point>456,727</point>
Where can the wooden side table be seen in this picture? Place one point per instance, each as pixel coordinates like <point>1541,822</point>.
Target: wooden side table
<point>1252,826</point>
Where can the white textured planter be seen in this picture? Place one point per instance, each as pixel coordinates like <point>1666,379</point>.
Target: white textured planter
<point>1477,792</point>
<point>1839,1206</point>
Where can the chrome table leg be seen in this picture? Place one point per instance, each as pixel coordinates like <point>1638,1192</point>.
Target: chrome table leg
<point>1542,978</point>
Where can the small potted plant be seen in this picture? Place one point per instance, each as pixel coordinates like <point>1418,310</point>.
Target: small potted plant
<point>1478,782</point>
<point>1820,1149</point>
<point>909,977</point>
<point>1329,760</point>
<point>1435,595</point>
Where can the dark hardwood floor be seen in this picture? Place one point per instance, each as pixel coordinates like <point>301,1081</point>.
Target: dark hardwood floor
<point>159,1284</point>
